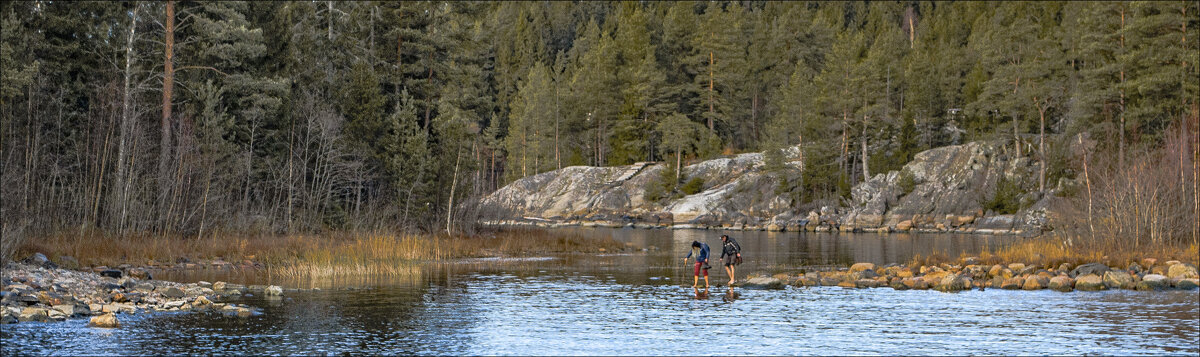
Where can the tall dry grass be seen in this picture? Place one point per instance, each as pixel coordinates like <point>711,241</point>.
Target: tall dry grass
<point>311,256</point>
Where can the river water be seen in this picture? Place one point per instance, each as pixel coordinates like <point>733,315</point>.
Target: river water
<point>642,303</point>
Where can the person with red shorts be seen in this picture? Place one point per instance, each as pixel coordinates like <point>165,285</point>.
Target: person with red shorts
<point>700,252</point>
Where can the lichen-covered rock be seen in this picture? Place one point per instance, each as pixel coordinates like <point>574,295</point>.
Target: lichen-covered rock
<point>1089,282</point>
<point>1114,279</point>
<point>1061,283</point>
<point>107,320</point>
<point>1154,282</point>
<point>857,267</point>
<point>953,282</point>
<point>763,282</point>
<point>738,193</point>
<point>1182,271</point>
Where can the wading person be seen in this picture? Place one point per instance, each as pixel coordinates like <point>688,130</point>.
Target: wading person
<point>700,252</point>
<point>731,256</point>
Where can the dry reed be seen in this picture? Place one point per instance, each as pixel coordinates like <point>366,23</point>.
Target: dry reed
<point>311,256</point>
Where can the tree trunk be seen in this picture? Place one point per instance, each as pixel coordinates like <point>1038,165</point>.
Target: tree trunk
<point>557,158</point>
<point>429,96</point>
<point>164,156</point>
<point>711,112</point>
<point>453,185</point>
<point>122,193</point>
<point>1042,147</point>
<point>1121,142</point>
<point>865,168</point>
<point>678,162</point>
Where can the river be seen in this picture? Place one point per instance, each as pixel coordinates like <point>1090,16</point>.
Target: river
<point>642,303</point>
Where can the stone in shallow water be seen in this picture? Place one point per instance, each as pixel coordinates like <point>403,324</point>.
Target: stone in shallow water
<point>1061,283</point>
<point>33,314</point>
<point>1187,284</point>
<point>273,290</point>
<point>173,293</point>
<point>107,320</point>
<point>1153,282</point>
<point>1089,282</point>
<point>763,283</point>
<point>1114,279</point>
<point>1034,282</point>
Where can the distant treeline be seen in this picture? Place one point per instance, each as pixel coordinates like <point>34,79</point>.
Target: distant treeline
<point>192,117</point>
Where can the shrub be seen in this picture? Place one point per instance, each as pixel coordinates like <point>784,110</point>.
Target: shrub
<point>693,186</point>
<point>907,183</point>
<point>1006,198</point>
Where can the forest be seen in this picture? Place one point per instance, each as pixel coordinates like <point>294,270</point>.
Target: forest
<point>198,117</point>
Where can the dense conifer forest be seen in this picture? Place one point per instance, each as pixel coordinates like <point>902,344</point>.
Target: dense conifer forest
<point>189,117</point>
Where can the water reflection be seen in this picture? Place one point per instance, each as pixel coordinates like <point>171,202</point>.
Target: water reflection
<point>542,310</point>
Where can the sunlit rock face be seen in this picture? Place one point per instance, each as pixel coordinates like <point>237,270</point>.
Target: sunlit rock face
<point>949,187</point>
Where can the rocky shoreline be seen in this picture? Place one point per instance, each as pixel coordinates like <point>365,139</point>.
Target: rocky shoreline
<point>39,290</point>
<point>1149,275</point>
<point>800,226</point>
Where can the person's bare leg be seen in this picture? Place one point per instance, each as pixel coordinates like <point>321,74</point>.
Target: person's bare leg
<point>706,281</point>
<point>732,274</point>
<point>695,280</point>
<point>729,271</point>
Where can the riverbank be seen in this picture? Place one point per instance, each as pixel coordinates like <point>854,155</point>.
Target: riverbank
<point>43,292</point>
<point>1033,264</point>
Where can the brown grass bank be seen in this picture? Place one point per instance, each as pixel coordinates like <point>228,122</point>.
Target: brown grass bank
<point>298,255</point>
<point>1052,252</point>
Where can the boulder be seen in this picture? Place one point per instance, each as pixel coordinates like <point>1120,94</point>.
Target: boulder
<point>864,274</point>
<point>861,266</point>
<point>38,259</point>
<point>904,226</point>
<point>1034,282</point>
<point>273,290</point>
<point>218,286</point>
<point>65,309</point>
<point>172,292</point>
<point>763,283</point>
<point>33,314</point>
<point>1154,282</point>
<point>1182,271</point>
<point>107,320</point>
<point>1089,282</point>
<point>953,282</point>
<point>1060,283</point>
<point>866,283</point>
<point>1114,279</point>
<point>1016,266</point>
<point>1090,268</point>
<point>111,273</point>
<point>1013,283</point>
<point>1187,284</point>
<point>995,270</point>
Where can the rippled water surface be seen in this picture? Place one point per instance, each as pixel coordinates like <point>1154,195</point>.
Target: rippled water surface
<point>642,303</point>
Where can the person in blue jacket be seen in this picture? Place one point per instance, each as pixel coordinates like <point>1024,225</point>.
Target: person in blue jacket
<point>700,251</point>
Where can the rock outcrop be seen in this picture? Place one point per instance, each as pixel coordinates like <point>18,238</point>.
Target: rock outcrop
<point>946,192</point>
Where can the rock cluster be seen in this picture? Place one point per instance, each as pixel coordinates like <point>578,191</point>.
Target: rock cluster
<point>1016,276</point>
<point>44,292</point>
